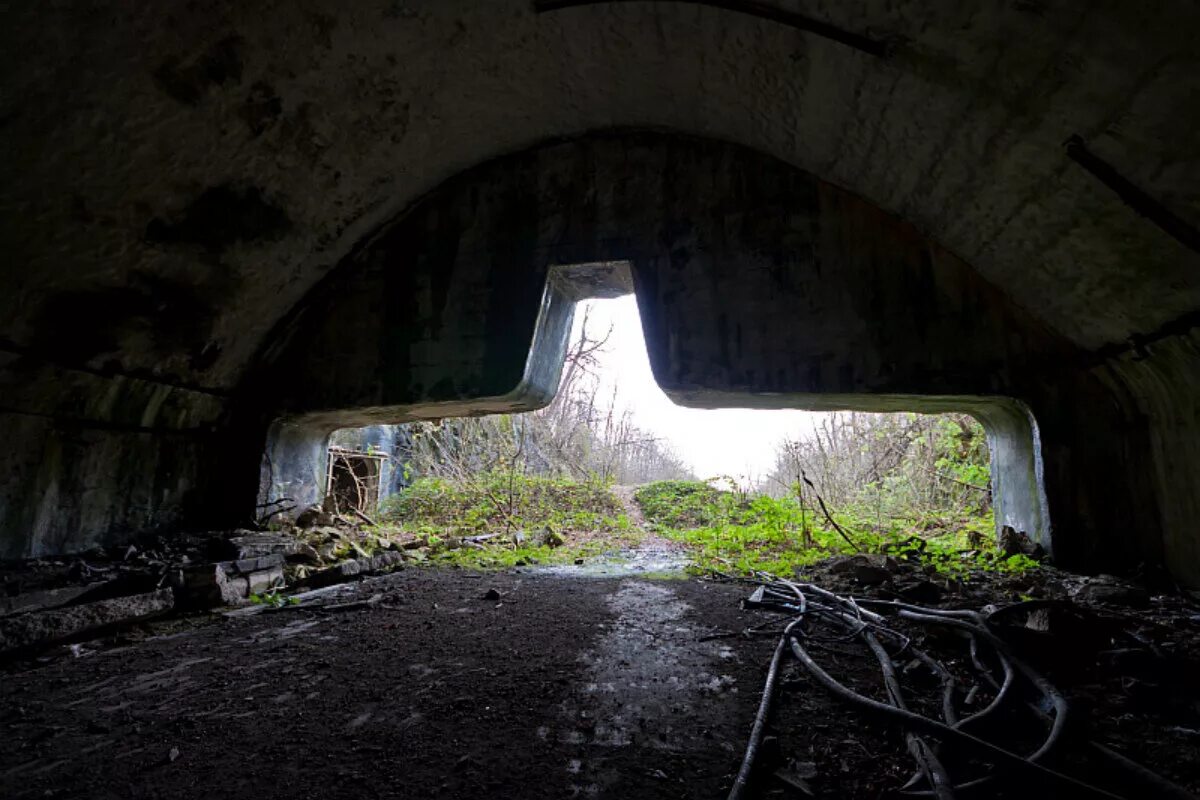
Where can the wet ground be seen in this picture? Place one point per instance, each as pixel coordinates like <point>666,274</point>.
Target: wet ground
<point>600,687</point>
<point>589,681</point>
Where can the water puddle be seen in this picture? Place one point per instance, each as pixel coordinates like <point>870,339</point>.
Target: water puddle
<point>651,564</point>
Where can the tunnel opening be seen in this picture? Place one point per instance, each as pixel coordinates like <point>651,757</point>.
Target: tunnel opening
<point>354,480</point>
<point>260,263</point>
<point>492,490</point>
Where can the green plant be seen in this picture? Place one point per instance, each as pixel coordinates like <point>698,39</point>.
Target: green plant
<point>686,504</point>
<point>501,500</point>
<point>779,535</point>
<point>273,598</point>
<point>438,511</point>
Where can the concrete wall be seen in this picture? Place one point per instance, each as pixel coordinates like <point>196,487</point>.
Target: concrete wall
<point>178,183</point>
<point>295,461</point>
<point>91,459</point>
<point>759,285</point>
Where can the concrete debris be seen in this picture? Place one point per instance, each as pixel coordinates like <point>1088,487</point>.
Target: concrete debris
<point>41,600</point>
<point>339,573</point>
<point>264,581</point>
<point>248,544</point>
<point>255,564</point>
<point>314,516</point>
<point>214,569</point>
<point>55,625</point>
<point>209,585</point>
<point>354,567</point>
<point>305,554</point>
<point>229,583</point>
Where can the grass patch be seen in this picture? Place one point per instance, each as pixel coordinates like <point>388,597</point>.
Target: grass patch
<point>685,504</point>
<point>539,520</point>
<point>500,501</point>
<point>728,531</point>
<point>506,556</point>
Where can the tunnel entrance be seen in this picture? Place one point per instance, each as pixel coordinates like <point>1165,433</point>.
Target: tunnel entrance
<point>354,479</point>
<point>604,467</point>
<point>288,298</point>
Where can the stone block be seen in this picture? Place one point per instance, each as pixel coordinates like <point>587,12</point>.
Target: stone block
<point>256,545</point>
<point>211,585</point>
<point>245,566</point>
<point>41,599</point>
<point>54,625</point>
<point>339,573</point>
<point>264,580</point>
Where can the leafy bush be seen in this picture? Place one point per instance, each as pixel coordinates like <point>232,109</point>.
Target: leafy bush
<point>685,504</point>
<point>584,516</point>
<point>726,531</point>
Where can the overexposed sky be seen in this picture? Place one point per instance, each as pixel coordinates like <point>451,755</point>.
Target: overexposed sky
<point>728,441</point>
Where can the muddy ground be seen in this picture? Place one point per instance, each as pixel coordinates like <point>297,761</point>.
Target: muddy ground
<point>565,686</point>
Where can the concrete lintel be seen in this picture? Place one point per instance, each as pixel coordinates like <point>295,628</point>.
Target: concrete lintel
<point>1018,495</point>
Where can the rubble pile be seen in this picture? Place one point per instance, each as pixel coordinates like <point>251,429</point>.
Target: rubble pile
<point>61,600</point>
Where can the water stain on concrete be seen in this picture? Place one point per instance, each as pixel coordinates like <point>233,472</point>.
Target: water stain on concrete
<point>650,679</point>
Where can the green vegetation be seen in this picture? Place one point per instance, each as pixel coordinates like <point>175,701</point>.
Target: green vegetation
<point>914,470</point>
<point>273,598</point>
<point>528,519</point>
<point>907,485</point>
<point>733,531</point>
<point>503,501</point>
<point>686,504</point>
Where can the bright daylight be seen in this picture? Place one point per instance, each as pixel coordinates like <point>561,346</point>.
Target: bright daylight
<point>612,476</point>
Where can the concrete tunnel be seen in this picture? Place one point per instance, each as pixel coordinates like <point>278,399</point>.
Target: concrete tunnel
<point>230,230</point>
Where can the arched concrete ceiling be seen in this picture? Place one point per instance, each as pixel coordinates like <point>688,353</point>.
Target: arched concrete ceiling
<point>174,181</point>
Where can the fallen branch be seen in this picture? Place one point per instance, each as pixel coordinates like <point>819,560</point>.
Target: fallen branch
<point>829,516</point>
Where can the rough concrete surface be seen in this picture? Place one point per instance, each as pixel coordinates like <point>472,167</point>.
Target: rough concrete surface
<point>184,186</point>
<point>48,626</point>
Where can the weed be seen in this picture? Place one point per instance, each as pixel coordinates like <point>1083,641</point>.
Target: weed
<point>273,599</point>
<point>502,501</point>
<point>726,531</point>
<point>583,519</point>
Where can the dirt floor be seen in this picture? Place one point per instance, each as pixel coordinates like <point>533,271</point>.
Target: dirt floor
<point>563,686</point>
